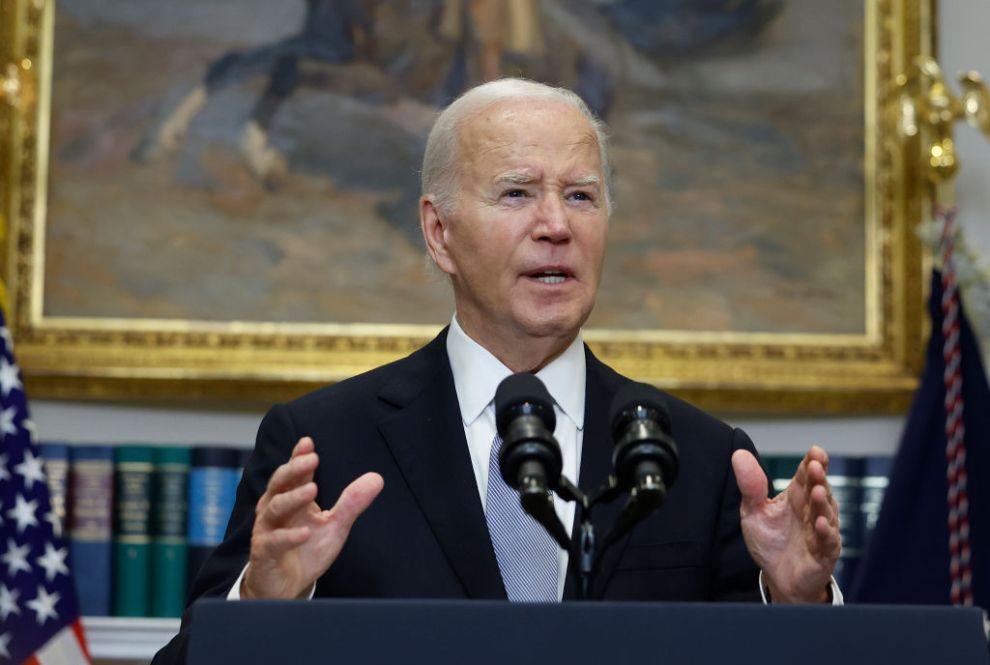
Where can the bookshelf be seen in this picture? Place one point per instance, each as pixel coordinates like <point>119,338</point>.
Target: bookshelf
<point>115,639</point>
<point>144,570</point>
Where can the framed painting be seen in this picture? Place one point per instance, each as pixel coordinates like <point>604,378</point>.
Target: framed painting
<point>219,201</point>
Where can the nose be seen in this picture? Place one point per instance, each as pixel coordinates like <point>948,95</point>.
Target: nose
<point>552,221</point>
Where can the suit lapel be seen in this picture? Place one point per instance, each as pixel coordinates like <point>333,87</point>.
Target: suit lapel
<point>426,438</point>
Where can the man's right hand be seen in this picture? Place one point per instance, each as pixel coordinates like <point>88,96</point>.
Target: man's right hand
<point>294,541</point>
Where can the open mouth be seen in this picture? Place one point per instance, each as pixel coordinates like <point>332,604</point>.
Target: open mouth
<point>549,276</point>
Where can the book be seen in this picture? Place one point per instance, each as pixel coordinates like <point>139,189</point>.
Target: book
<point>90,521</point>
<point>169,515</point>
<point>213,477</point>
<point>55,457</point>
<point>132,530</point>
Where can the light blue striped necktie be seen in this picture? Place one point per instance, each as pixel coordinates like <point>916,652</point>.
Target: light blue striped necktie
<point>526,554</point>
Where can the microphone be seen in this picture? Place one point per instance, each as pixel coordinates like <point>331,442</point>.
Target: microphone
<point>530,459</point>
<point>645,458</point>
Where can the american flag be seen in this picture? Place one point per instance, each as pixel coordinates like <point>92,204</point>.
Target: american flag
<point>931,543</point>
<point>39,616</point>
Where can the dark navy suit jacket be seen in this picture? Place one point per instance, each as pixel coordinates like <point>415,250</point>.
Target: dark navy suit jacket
<point>425,536</point>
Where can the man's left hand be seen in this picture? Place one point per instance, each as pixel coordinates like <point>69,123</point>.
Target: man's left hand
<point>794,537</point>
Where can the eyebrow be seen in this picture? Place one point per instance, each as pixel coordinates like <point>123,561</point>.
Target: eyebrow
<point>588,180</point>
<point>521,178</point>
<point>516,177</point>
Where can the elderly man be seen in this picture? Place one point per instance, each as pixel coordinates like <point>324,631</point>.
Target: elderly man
<point>515,210</point>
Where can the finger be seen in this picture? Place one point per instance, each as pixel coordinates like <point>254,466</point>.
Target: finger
<point>750,478</point>
<point>817,487</point>
<point>303,445</point>
<point>818,454</point>
<point>828,539</point>
<point>822,506</point>
<point>835,509</point>
<point>801,473</point>
<point>355,499</point>
<point>815,454</point>
<point>832,503</point>
<point>297,471</point>
<point>810,472</point>
<point>272,545</point>
<point>283,508</point>
<point>815,473</point>
<point>287,478</point>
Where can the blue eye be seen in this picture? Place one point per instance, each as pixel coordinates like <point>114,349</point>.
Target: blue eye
<point>515,193</point>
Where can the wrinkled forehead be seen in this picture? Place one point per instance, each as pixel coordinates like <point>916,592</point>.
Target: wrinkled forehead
<point>515,125</point>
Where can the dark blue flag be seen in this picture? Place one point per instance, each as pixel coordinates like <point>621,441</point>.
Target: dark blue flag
<point>39,617</point>
<point>908,557</point>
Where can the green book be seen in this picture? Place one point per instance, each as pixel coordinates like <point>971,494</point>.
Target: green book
<point>132,530</point>
<point>169,512</point>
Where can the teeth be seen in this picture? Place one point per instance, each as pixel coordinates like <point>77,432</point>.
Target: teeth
<point>551,279</point>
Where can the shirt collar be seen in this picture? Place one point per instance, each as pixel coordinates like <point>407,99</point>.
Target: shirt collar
<point>477,374</point>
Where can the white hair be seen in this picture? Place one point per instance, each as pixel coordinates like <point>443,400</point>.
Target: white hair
<point>439,175</point>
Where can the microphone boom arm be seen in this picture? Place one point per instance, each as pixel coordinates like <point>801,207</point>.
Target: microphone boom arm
<point>538,503</point>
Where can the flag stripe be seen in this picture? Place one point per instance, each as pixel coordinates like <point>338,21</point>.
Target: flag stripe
<point>77,628</point>
<point>63,649</point>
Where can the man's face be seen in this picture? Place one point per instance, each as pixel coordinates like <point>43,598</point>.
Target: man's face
<point>525,242</point>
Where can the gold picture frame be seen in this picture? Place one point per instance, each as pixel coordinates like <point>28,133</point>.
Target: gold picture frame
<point>180,359</point>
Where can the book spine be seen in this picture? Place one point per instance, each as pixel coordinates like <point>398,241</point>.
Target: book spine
<point>168,543</point>
<point>90,519</point>
<point>56,461</point>
<point>844,476</point>
<point>213,479</point>
<point>132,530</point>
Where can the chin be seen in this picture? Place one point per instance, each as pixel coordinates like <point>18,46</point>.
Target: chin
<point>561,324</point>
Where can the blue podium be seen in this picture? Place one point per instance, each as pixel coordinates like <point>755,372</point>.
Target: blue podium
<point>483,632</point>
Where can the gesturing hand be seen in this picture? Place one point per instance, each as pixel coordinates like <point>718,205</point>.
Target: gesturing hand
<point>294,541</point>
<point>794,537</point>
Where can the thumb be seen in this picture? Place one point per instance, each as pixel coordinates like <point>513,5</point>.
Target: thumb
<point>750,478</point>
<point>356,498</point>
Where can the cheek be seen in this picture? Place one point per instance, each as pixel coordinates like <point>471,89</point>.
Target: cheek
<point>494,249</point>
<point>594,242</point>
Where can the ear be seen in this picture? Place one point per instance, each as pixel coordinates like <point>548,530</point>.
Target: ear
<point>434,229</point>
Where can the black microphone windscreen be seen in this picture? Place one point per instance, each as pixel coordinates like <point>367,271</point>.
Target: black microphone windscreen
<point>642,395</point>
<point>520,389</point>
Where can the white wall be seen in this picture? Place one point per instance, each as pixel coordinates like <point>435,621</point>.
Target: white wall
<point>963,46</point>
<point>963,43</point>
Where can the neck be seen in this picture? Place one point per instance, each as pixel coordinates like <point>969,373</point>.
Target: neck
<point>520,353</point>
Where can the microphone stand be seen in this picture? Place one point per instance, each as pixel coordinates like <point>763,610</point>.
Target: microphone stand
<point>585,554</point>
